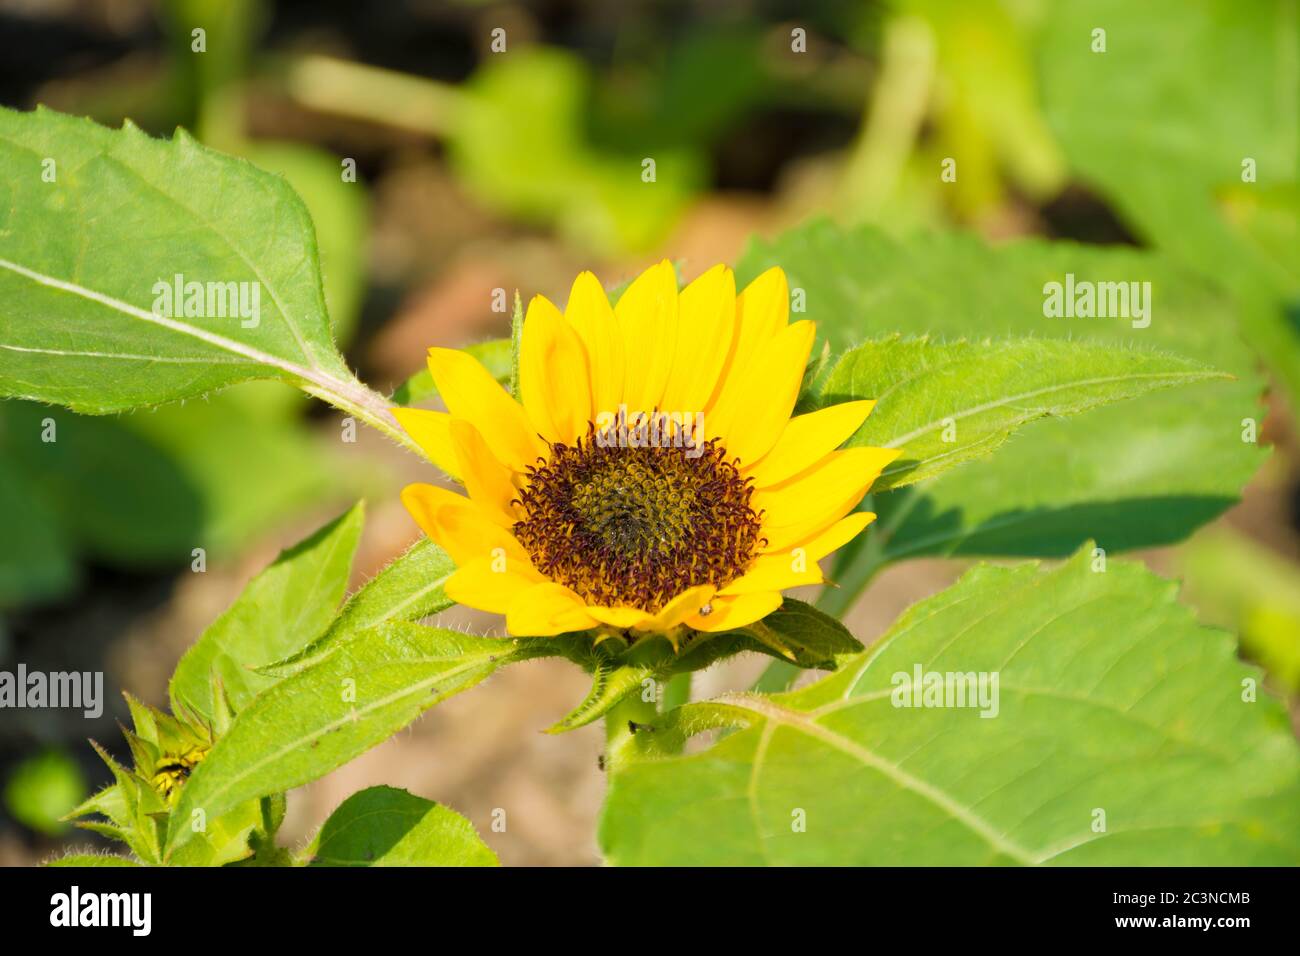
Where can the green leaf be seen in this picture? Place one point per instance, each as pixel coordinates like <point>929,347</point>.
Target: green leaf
<point>320,718</point>
<point>95,223</point>
<point>800,633</point>
<point>338,210</point>
<point>1130,475</point>
<point>495,355</point>
<point>229,837</point>
<point>385,826</point>
<point>1111,699</point>
<point>111,802</point>
<point>137,813</point>
<point>130,807</point>
<point>287,606</point>
<point>79,258</point>
<point>408,589</point>
<point>614,680</point>
<point>1166,144</point>
<point>859,283</point>
<point>944,404</point>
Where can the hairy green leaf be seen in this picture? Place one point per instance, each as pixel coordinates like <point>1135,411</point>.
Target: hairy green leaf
<point>99,226</point>
<point>385,826</point>
<point>338,211</point>
<point>80,256</point>
<point>799,633</point>
<point>946,403</point>
<point>408,589</point>
<point>1130,475</point>
<point>1121,733</point>
<point>287,606</point>
<point>356,697</point>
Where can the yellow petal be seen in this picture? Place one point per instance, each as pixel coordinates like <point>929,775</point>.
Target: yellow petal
<point>545,610</point>
<point>762,310</point>
<point>554,379</point>
<point>589,312</point>
<point>486,479</point>
<point>775,572</point>
<point>482,585</point>
<point>647,317</point>
<point>787,536</point>
<point>839,476</point>
<point>460,527</point>
<point>731,612</point>
<point>838,535</point>
<point>764,305</point>
<point>706,326</point>
<point>471,393</point>
<point>676,611</point>
<point>620,617</point>
<point>758,403</point>
<point>432,433</point>
<point>807,439</point>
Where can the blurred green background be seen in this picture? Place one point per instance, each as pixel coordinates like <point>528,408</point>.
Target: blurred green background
<point>481,168</point>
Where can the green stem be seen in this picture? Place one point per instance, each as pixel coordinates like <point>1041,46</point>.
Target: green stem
<point>895,113</point>
<point>677,692</point>
<point>854,578</point>
<point>363,403</point>
<point>381,96</point>
<point>621,724</point>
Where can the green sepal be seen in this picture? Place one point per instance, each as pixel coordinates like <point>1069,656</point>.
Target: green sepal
<point>796,632</point>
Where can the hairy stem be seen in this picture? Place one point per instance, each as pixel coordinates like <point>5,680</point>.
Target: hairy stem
<point>622,723</point>
<point>363,403</point>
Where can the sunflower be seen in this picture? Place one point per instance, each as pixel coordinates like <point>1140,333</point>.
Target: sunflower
<point>650,474</point>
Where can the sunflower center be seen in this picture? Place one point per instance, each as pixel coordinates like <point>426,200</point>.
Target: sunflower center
<point>637,526</point>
